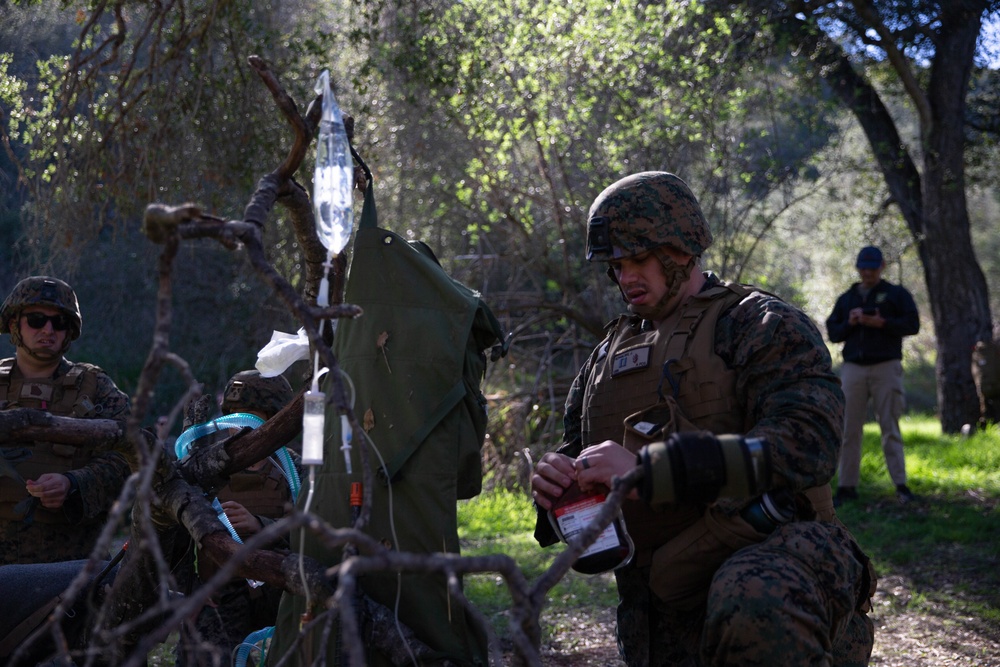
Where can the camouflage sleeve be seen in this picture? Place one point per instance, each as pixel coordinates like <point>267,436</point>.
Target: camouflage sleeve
<point>113,401</point>
<point>786,382</point>
<point>101,479</point>
<point>573,414</point>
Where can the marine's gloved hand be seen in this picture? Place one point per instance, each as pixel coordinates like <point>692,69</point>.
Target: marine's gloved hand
<point>700,467</point>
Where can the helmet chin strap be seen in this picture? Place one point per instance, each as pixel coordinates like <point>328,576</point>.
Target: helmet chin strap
<point>674,275</point>
<point>47,358</point>
<point>15,338</point>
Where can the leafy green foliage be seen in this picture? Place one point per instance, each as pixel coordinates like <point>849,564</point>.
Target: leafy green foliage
<point>552,102</point>
<point>150,103</point>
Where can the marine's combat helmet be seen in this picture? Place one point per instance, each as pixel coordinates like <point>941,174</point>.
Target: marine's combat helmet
<point>250,391</point>
<point>645,211</point>
<point>40,291</point>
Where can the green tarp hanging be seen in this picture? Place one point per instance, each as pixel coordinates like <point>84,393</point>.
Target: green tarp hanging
<point>416,358</point>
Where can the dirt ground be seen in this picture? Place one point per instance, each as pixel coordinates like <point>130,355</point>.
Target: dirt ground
<point>933,636</point>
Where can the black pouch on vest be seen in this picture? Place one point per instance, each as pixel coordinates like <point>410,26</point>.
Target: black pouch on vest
<point>654,424</point>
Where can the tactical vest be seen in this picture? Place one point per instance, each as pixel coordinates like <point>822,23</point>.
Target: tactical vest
<point>671,372</point>
<point>70,395</point>
<point>263,492</point>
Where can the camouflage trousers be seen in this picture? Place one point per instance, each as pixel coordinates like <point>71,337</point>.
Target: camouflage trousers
<point>790,600</point>
<point>220,627</point>
<point>45,543</point>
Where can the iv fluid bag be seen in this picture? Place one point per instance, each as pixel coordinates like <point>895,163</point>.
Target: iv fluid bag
<point>333,180</point>
<point>313,423</point>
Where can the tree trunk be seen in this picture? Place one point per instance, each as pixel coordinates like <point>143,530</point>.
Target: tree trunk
<point>957,287</point>
<point>933,204</point>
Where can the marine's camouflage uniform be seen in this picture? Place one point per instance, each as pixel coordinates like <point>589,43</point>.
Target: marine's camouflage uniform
<point>236,609</point>
<point>791,598</point>
<point>78,523</point>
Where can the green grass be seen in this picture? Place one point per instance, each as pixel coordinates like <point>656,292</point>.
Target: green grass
<point>937,463</point>
<point>945,544</point>
<point>504,522</point>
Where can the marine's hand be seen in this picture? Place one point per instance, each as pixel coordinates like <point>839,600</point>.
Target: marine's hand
<point>51,489</point>
<point>552,475</point>
<point>599,464</point>
<point>243,521</point>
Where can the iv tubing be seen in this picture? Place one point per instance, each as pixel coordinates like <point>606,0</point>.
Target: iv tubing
<point>302,537</point>
<point>323,296</point>
<point>395,542</point>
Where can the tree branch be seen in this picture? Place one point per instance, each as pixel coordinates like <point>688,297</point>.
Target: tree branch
<point>866,10</point>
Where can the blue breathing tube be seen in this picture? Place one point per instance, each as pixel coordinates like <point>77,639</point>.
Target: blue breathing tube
<point>224,520</point>
<point>250,644</point>
<point>291,473</point>
<point>237,420</point>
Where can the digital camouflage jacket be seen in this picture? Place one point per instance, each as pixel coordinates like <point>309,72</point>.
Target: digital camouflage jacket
<point>28,532</point>
<point>784,382</point>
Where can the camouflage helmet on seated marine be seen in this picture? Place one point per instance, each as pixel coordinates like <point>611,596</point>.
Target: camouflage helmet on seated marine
<point>249,391</point>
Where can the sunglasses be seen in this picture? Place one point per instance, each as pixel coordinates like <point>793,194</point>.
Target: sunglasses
<point>38,320</point>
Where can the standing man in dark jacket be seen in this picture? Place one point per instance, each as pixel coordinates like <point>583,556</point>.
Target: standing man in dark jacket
<point>871,319</point>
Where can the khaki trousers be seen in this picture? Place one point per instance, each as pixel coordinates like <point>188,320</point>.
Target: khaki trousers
<point>883,382</point>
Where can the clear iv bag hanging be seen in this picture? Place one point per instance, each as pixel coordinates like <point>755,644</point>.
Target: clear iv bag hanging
<point>333,179</point>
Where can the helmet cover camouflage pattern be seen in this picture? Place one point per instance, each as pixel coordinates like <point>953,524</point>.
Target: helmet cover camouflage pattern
<point>249,391</point>
<point>645,211</point>
<point>41,291</point>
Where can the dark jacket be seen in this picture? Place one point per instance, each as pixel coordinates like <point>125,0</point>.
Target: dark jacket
<point>868,345</point>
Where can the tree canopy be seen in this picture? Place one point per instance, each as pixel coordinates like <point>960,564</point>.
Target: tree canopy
<point>930,49</point>
<point>491,127</point>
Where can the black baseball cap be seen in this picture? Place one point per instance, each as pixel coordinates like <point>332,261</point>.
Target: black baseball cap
<point>870,257</point>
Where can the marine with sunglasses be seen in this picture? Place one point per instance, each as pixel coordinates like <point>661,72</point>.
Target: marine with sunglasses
<point>54,497</point>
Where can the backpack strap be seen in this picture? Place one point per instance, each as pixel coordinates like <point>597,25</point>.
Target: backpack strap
<point>20,631</point>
